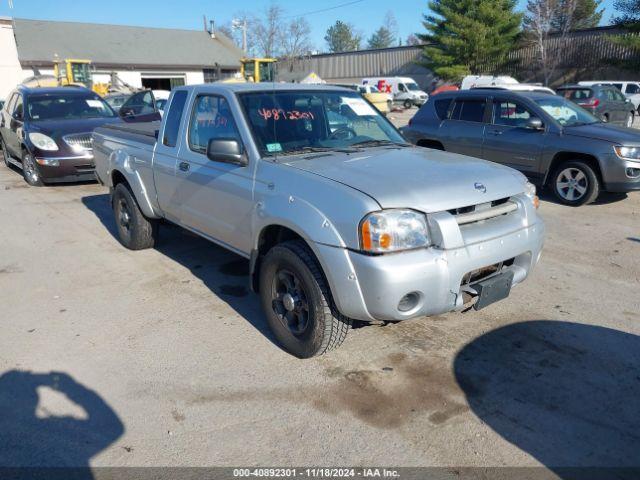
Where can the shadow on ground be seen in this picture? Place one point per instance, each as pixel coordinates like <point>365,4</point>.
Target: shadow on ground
<point>566,393</point>
<point>223,272</point>
<point>32,436</point>
<point>604,198</point>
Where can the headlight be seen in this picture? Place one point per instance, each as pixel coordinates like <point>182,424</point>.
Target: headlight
<point>393,230</point>
<point>43,142</point>
<point>628,153</point>
<point>530,191</point>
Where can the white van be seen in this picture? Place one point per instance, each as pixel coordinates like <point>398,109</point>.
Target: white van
<point>480,81</point>
<point>405,90</point>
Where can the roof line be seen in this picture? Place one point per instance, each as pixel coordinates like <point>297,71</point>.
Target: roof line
<point>112,25</point>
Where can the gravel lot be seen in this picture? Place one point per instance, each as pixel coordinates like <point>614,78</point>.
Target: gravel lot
<point>165,359</point>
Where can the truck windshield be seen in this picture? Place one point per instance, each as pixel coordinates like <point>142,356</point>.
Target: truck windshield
<point>413,86</point>
<point>566,113</point>
<point>67,107</point>
<point>301,121</point>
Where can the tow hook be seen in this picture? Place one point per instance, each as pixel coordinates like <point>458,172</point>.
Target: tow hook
<point>469,298</point>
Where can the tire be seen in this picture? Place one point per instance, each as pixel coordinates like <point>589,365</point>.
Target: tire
<point>290,269</point>
<point>5,155</point>
<point>30,171</point>
<point>408,104</point>
<point>575,183</point>
<point>135,231</point>
<point>605,118</point>
<point>629,121</point>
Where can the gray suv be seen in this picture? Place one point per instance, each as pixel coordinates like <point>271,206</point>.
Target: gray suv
<point>550,139</point>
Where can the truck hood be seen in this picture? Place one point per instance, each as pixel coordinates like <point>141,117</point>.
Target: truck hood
<point>414,177</point>
<point>606,132</point>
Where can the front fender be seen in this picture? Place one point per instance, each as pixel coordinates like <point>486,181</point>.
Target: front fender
<point>121,163</point>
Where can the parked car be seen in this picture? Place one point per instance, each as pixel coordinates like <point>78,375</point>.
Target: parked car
<point>144,102</point>
<point>404,90</point>
<point>352,223</point>
<point>548,138</point>
<point>501,82</point>
<point>382,101</point>
<point>116,100</point>
<point>631,90</point>
<point>604,101</point>
<point>46,132</point>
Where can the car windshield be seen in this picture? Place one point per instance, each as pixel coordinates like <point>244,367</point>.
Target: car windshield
<point>67,107</point>
<point>566,113</point>
<point>302,121</point>
<point>412,86</point>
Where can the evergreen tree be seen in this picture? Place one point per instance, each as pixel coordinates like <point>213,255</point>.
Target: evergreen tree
<point>585,14</point>
<point>381,38</point>
<point>341,37</point>
<point>629,19</point>
<point>463,35</point>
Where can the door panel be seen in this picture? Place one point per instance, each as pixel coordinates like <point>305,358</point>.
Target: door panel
<point>16,124</point>
<point>463,132</point>
<point>509,142</point>
<point>214,198</point>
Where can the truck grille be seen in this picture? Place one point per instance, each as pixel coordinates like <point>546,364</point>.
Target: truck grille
<point>80,142</point>
<point>484,211</point>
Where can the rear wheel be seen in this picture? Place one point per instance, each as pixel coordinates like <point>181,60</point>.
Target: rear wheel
<point>297,301</point>
<point>629,121</point>
<point>575,183</point>
<point>30,170</point>
<point>3,152</point>
<point>135,231</point>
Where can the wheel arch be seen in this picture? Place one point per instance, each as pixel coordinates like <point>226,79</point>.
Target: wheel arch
<point>566,156</point>
<point>138,189</point>
<point>428,143</point>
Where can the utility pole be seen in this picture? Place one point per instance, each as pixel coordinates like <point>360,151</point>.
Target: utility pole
<point>241,24</point>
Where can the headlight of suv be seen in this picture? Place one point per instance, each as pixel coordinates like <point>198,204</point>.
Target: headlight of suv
<point>628,153</point>
<point>530,191</point>
<point>393,230</point>
<point>43,142</point>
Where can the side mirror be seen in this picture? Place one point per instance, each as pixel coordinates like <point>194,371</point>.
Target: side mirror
<point>534,123</point>
<point>227,150</point>
<point>126,112</point>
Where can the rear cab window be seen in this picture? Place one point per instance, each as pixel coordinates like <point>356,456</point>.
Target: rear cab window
<point>174,116</point>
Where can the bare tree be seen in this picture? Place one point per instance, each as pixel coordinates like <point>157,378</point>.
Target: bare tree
<point>296,41</point>
<point>540,24</point>
<point>391,24</point>
<point>268,31</point>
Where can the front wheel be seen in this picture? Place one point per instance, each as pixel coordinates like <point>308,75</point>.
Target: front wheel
<point>629,121</point>
<point>575,183</point>
<point>30,170</point>
<point>297,302</point>
<point>408,104</point>
<point>135,231</point>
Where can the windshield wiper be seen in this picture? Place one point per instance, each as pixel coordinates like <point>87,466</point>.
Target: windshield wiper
<point>378,143</point>
<point>297,151</point>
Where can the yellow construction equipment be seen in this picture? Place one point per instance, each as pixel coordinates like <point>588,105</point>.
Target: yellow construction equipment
<point>258,69</point>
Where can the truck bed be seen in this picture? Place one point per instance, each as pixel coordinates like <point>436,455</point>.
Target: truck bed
<point>143,132</point>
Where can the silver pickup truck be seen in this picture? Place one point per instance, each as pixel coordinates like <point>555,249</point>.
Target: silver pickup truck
<point>340,217</point>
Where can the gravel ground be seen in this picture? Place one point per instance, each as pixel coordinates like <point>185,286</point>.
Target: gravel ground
<point>162,357</point>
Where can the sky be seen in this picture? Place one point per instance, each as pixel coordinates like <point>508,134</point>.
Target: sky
<point>366,15</point>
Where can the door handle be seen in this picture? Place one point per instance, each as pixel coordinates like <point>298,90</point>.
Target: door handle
<point>184,166</point>
<point>497,132</point>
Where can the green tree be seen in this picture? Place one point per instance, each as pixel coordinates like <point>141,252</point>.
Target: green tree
<point>463,35</point>
<point>629,20</point>
<point>342,37</point>
<point>381,38</point>
<point>584,14</point>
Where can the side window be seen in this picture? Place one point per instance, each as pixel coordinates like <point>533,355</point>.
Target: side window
<point>611,95</point>
<point>211,118</point>
<point>442,108</point>
<point>633,88</point>
<point>9,105</point>
<point>18,110</point>
<point>620,97</point>
<point>510,114</point>
<point>469,110</point>
<point>174,115</point>
<point>401,87</point>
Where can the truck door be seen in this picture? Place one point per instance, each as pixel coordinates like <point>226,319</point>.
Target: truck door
<point>508,140</point>
<point>214,197</point>
<point>463,131</point>
<point>165,159</point>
